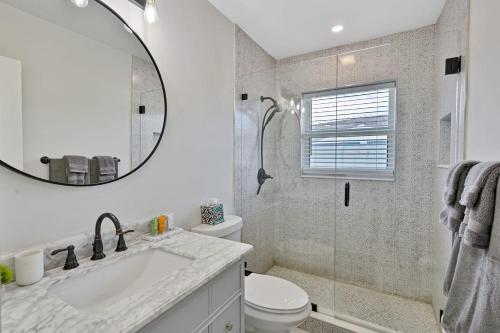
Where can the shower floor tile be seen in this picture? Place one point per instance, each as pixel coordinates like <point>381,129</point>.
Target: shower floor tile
<point>389,311</point>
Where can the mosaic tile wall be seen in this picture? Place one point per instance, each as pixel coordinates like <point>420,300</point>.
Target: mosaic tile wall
<point>255,76</point>
<point>382,241</point>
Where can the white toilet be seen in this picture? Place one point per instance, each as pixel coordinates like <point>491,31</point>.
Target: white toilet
<point>272,305</point>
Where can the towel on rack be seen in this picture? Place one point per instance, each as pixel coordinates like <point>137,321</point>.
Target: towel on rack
<point>479,198</point>
<point>474,296</point>
<point>57,171</point>
<point>452,214</point>
<point>453,182</point>
<point>77,168</point>
<point>452,264</point>
<point>106,169</point>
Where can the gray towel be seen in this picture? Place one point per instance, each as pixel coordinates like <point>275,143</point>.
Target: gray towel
<point>464,306</point>
<point>453,212</point>
<point>453,181</point>
<point>475,182</point>
<point>77,168</point>
<point>479,198</point>
<point>57,171</point>
<point>474,294</point>
<point>106,168</point>
<point>450,271</point>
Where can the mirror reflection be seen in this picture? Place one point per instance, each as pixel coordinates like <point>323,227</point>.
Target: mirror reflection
<point>81,101</point>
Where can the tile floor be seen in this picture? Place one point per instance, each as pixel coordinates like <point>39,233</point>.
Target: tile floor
<point>392,312</point>
<point>298,330</point>
<point>312,325</point>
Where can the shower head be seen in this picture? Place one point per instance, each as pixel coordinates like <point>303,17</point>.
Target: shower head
<point>275,104</point>
<point>262,176</point>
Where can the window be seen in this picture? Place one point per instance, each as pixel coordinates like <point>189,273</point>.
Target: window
<point>350,132</point>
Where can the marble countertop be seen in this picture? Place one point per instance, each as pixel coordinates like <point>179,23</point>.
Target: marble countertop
<point>34,309</point>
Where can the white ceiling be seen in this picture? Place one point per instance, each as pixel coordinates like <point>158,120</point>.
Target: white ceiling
<point>286,28</point>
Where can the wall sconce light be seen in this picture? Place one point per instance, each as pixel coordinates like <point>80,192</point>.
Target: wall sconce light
<point>295,107</point>
<point>151,12</point>
<point>80,3</point>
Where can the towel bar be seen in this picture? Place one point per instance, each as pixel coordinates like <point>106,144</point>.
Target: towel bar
<point>46,160</point>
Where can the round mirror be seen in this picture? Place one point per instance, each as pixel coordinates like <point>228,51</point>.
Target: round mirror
<point>81,99</point>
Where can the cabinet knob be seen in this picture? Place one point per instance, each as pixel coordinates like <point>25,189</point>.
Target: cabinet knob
<point>229,327</point>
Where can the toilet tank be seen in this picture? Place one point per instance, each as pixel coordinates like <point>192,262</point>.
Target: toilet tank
<point>229,229</point>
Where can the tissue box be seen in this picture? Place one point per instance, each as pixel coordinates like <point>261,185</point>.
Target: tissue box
<point>212,214</point>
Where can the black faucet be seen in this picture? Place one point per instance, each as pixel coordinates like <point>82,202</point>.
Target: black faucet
<point>71,261</point>
<point>97,246</point>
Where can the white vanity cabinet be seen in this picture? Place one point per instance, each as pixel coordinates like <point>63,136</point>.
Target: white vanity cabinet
<point>216,307</point>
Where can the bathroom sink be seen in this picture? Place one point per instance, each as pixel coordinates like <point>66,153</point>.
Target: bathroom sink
<point>99,289</point>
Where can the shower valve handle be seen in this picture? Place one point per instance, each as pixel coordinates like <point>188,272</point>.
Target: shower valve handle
<point>262,176</point>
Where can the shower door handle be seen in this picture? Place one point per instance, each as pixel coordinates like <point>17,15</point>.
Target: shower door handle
<point>347,194</point>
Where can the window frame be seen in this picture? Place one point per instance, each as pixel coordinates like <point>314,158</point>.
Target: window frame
<point>349,173</point>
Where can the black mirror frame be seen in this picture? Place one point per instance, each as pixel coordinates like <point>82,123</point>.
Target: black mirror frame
<point>8,166</point>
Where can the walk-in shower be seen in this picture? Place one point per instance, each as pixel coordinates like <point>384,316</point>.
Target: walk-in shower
<point>368,118</point>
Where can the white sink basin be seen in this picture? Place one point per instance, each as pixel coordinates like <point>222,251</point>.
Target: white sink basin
<point>97,290</point>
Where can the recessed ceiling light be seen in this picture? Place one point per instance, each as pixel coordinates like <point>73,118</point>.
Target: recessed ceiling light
<point>338,28</point>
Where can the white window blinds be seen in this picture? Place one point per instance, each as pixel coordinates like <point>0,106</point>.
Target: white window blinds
<point>350,132</point>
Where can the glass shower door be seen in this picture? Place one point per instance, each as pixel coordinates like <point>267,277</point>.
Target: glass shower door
<point>305,219</point>
<point>366,232</point>
<point>383,237</point>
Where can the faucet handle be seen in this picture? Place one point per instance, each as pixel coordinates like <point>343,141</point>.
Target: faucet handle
<point>121,246</point>
<point>125,232</point>
<point>71,261</point>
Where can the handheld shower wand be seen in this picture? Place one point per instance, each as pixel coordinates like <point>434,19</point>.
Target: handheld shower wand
<point>262,176</point>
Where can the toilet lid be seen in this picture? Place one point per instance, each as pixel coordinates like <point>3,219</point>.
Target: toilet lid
<point>275,294</point>
<point>231,224</point>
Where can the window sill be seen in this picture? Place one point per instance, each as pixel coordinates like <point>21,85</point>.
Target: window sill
<point>368,178</point>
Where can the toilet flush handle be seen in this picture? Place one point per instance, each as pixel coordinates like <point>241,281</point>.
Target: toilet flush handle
<point>229,327</point>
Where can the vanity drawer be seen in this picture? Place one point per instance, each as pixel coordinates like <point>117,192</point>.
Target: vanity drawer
<point>229,320</point>
<point>183,317</point>
<point>225,286</point>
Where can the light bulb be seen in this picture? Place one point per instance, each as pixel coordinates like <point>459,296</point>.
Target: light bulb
<point>80,3</point>
<point>338,28</point>
<point>292,103</point>
<point>150,12</point>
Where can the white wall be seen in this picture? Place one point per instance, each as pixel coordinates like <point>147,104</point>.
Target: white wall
<point>11,112</point>
<point>483,113</point>
<point>72,86</point>
<point>194,48</point>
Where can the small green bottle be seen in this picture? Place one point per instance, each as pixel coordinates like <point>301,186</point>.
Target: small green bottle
<point>154,226</point>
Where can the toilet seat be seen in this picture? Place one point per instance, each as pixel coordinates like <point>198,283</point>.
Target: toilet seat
<point>274,295</point>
